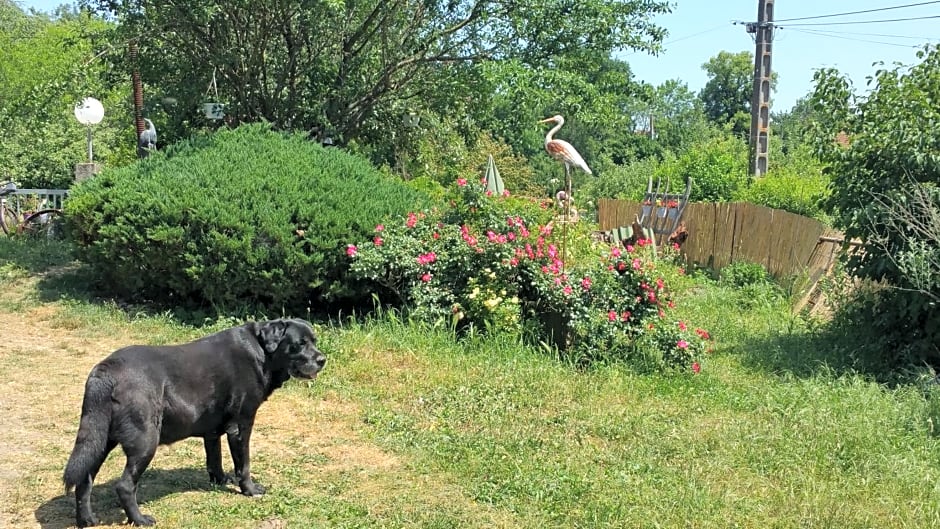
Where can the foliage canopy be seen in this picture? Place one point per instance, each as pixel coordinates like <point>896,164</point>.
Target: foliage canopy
<point>48,66</point>
<point>358,67</point>
<point>884,154</point>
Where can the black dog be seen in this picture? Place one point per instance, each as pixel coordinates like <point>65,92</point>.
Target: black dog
<point>142,396</point>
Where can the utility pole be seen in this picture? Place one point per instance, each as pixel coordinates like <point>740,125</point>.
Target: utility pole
<point>763,31</point>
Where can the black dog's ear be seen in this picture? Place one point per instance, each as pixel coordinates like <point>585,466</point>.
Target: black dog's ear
<point>271,334</point>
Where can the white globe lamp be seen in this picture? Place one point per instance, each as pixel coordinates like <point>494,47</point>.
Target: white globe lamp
<point>88,112</point>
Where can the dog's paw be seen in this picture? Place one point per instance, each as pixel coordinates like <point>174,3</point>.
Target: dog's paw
<point>88,521</point>
<point>252,489</point>
<point>221,479</point>
<point>145,520</point>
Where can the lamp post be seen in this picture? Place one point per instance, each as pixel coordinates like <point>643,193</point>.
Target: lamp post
<point>88,112</point>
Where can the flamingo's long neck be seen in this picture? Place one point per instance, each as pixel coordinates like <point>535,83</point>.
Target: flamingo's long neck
<point>548,137</point>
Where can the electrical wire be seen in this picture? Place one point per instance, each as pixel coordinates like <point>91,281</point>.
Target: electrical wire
<point>885,35</point>
<point>858,22</point>
<point>858,12</point>
<point>673,41</point>
<point>686,37</point>
<point>834,36</point>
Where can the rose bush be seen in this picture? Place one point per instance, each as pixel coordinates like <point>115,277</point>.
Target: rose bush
<point>506,264</point>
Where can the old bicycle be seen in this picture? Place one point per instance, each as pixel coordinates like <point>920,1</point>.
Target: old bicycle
<point>30,212</point>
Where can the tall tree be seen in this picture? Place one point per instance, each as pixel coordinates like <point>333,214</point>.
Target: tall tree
<point>727,94</point>
<point>884,155</point>
<point>678,116</point>
<point>794,121</point>
<point>359,66</point>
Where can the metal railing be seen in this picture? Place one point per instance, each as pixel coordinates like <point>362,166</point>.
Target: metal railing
<point>19,199</point>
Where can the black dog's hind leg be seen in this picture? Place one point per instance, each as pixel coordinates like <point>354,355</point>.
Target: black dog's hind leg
<point>83,514</point>
<point>140,451</point>
<point>238,446</point>
<point>213,445</point>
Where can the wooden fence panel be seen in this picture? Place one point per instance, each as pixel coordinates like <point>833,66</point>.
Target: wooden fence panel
<point>699,220</point>
<point>819,264</point>
<point>797,238</point>
<point>786,244</point>
<point>753,234</point>
<point>782,255</point>
<point>616,213</point>
<point>824,254</point>
<point>724,235</point>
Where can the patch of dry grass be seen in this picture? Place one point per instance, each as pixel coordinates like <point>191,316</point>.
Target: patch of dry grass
<point>307,446</point>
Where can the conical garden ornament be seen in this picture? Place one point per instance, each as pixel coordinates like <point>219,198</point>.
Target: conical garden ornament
<point>494,183</point>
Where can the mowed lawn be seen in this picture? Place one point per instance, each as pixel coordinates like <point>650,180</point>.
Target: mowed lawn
<point>405,429</point>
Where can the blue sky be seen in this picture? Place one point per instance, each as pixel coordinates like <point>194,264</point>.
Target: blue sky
<point>702,28</point>
<point>699,29</point>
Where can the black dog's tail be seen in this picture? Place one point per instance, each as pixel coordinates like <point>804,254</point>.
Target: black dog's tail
<point>92,439</point>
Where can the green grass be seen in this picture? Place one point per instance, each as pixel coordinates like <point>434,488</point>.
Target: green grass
<point>407,429</point>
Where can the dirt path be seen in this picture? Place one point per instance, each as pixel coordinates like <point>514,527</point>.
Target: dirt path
<point>309,443</point>
<point>44,359</point>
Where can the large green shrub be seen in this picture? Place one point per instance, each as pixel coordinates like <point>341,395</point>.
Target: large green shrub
<point>797,185</point>
<point>625,182</point>
<point>885,165</point>
<point>716,164</point>
<point>246,217</point>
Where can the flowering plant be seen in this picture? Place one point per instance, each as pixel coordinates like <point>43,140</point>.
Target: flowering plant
<point>676,345</point>
<point>500,263</point>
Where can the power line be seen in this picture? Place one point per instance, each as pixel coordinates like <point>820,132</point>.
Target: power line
<point>673,41</point>
<point>858,12</point>
<point>686,37</point>
<point>884,35</point>
<point>836,36</point>
<point>859,22</point>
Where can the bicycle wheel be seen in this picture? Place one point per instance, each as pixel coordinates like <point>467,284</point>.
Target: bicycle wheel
<point>44,224</point>
<point>8,221</point>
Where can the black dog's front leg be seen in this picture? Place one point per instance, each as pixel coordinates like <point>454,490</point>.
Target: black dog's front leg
<point>213,445</point>
<point>238,444</point>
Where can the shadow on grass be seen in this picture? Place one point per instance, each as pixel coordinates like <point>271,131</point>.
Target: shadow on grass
<point>61,276</point>
<point>799,354</point>
<point>59,512</point>
<point>36,256</point>
<point>840,347</point>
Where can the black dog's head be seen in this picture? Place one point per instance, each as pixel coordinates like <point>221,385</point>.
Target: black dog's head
<point>292,345</point>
